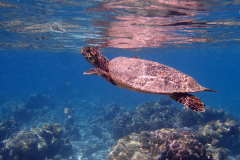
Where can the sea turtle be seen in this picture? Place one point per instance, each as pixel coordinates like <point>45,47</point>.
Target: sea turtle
<point>145,76</point>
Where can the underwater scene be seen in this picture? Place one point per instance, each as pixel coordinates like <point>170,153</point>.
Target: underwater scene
<point>119,80</point>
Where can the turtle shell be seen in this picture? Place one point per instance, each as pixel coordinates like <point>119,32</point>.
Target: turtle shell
<point>150,77</point>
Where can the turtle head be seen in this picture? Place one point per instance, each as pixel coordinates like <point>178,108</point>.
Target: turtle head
<point>91,54</point>
<point>95,57</point>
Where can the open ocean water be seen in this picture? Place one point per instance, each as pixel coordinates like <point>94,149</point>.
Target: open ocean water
<point>41,66</point>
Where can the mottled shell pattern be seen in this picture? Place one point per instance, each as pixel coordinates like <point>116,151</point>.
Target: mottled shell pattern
<point>150,77</point>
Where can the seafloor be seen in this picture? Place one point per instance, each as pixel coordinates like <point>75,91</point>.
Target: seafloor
<point>42,127</point>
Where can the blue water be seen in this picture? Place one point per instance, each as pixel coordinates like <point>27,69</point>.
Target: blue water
<point>41,59</point>
<point>40,44</point>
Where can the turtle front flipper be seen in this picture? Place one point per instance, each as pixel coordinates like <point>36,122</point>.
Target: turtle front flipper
<point>188,100</point>
<point>102,73</point>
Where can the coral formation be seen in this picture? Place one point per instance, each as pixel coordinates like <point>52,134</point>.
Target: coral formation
<point>56,144</point>
<point>189,117</point>
<point>110,112</point>
<point>8,127</point>
<point>212,114</point>
<point>24,145</point>
<point>128,149</point>
<point>215,152</point>
<point>21,112</point>
<point>161,145</point>
<point>71,130</point>
<point>96,130</point>
<point>37,144</point>
<point>216,130</point>
<point>92,146</point>
<point>12,108</point>
<point>92,136</point>
<point>220,137</point>
<point>237,157</point>
<point>163,117</point>
<point>122,125</point>
<point>152,116</point>
<point>146,109</point>
<point>147,116</point>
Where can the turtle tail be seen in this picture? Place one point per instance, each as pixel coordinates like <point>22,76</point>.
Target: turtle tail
<point>188,100</point>
<point>211,90</point>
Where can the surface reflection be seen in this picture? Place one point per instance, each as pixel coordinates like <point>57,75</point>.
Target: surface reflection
<point>69,25</point>
<point>154,23</point>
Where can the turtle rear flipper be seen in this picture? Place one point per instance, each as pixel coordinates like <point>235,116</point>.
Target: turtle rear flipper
<point>188,100</point>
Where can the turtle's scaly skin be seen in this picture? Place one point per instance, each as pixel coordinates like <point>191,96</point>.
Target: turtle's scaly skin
<point>95,57</point>
<point>145,76</point>
<point>188,100</point>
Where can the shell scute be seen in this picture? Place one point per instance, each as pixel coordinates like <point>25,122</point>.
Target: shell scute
<point>150,77</point>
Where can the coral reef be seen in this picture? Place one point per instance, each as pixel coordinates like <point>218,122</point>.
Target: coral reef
<point>37,104</point>
<point>96,131</point>
<point>215,152</point>
<point>217,130</point>
<point>91,146</point>
<point>177,145</point>
<point>37,144</point>
<point>128,148</point>
<point>161,145</point>
<point>122,125</point>
<point>110,112</point>
<point>56,144</point>
<point>220,137</point>
<point>12,108</point>
<point>92,136</point>
<point>212,114</point>
<point>147,116</point>
<point>237,157</point>
<point>146,109</point>
<point>164,117</point>
<point>190,118</point>
<point>24,145</point>
<point>71,130</point>
<point>8,127</point>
